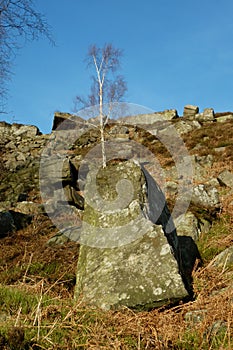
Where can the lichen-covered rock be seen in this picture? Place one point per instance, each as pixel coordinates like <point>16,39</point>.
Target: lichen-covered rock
<point>30,208</point>
<point>224,118</point>
<point>206,196</point>
<point>226,178</point>
<point>143,274</point>
<point>187,225</point>
<point>225,258</point>
<point>185,126</point>
<point>125,259</point>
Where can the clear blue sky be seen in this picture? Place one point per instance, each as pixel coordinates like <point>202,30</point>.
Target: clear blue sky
<point>176,52</point>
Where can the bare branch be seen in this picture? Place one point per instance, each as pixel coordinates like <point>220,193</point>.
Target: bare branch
<point>104,62</point>
<point>116,89</point>
<point>19,21</point>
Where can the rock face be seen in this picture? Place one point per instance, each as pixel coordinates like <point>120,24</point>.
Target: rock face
<point>152,117</point>
<point>139,270</point>
<point>65,118</point>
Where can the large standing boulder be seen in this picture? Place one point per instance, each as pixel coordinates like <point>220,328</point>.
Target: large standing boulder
<point>125,258</point>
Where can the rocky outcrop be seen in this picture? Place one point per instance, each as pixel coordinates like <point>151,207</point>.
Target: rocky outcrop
<point>154,240</point>
<point>21,147</point>
<point>192,113</point>
<point>148,119</point>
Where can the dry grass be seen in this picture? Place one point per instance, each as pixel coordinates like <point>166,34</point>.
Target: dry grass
<point>38,310</point>
<point>203,324</point>
<point>25,258</point>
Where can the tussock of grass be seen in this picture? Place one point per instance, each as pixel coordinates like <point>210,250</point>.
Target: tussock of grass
<point>217,239</point>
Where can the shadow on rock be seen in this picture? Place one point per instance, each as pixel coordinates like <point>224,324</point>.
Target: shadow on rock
<point>190,257</point>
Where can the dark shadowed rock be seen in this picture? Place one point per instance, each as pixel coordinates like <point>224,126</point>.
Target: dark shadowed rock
<point>65,121</point>
<point>21,220</point>
<point>6,223</point>
<point>73,197</point>
<point>190,256</point>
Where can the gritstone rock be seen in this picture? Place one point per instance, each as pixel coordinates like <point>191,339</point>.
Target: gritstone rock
<point>125,258</point>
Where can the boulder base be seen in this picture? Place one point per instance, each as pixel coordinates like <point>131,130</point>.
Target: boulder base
<point>142,275</point>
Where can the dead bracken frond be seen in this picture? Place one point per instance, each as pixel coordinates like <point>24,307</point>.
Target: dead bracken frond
<point>39,307</point>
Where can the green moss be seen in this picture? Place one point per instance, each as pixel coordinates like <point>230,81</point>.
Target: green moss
<point>209,340</point>
<point>44,269</point>
<point>13,299</point>
<point>106,186</point>
<point>212,243</point>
